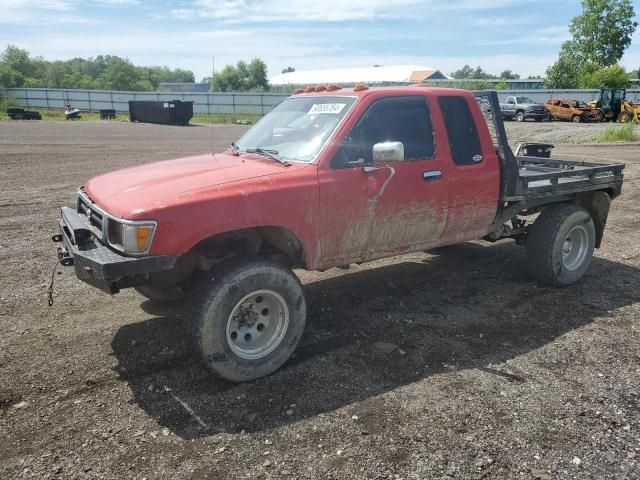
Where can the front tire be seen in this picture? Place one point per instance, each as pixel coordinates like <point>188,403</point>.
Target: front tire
<point>560,244</point>
<point>520,117</point>
<point>576,119</point>
<point>625,117</point>
<point>247,318</point>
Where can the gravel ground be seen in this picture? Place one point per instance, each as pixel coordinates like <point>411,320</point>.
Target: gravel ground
<point>455,365</point>
<point>558,132</point>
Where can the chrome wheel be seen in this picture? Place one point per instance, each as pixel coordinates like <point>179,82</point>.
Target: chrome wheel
<point>257,324</point>
<point>575,248</point>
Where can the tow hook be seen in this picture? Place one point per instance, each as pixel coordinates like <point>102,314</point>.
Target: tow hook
<point>65,258</point>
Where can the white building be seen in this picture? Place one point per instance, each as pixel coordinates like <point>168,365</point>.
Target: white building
<point>372,75</point>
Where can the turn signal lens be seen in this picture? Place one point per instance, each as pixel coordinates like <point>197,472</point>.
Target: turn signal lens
<point>142,237</point>
<point>133,238</point>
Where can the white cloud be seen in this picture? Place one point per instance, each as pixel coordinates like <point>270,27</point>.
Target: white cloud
<point>553,35</point>
<point>14,5</point>
<point>118,2</point>
<point>241,11</point>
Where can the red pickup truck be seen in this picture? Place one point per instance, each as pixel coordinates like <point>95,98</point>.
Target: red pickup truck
<point>331,176</point>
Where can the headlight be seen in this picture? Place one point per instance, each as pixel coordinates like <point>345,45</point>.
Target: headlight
<point>131,237</point>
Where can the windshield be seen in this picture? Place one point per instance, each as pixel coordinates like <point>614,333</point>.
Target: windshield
<point>298,128</point>
<point>524,100</point>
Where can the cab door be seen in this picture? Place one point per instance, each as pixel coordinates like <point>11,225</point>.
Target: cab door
<point>370,207</point>
<point>409,202</point>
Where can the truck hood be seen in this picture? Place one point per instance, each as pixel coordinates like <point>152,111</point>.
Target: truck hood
<point>134,191</point>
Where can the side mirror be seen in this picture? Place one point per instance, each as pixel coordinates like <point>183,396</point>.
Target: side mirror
<point>388,152</point>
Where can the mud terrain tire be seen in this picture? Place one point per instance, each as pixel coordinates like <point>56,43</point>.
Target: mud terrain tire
<point>560,244</point>
<point>247,318</point>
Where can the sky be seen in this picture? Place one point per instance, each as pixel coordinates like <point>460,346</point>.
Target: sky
<point>521,35</point>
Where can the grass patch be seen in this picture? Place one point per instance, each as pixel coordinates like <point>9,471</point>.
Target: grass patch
<point>92,116</point>
<point>618,132</point>
<point>6,102</point>
<point>225,118</point>
<point>55,115</point>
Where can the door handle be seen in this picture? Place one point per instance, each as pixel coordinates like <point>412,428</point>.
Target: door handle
<point>431,175</point>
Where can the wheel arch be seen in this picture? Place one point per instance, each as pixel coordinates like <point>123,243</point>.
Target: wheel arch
<point>276,242</point>
<point>597,203</point>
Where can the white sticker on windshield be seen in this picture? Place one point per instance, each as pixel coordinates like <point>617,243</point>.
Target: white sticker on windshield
<point>332,108</point>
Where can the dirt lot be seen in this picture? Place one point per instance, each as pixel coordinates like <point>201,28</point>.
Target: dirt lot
<point>425,366</point>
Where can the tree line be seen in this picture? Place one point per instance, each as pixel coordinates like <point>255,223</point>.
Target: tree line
<point>600,36</point>
<point>108,72</point>
<point>242,77</point>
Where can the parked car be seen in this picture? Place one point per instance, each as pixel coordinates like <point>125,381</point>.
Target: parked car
<point>570,109</point>
<point>328,178</point>
<point>523,108</point>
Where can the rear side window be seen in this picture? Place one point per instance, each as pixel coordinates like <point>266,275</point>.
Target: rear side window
<point>464,142</point>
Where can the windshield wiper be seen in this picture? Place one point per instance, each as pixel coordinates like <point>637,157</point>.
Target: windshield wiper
<point>268,152</point>
<point>235,150</point>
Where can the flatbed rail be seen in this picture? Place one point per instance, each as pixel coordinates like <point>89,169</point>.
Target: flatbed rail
<point>542,176</point>
<point>526,180</point>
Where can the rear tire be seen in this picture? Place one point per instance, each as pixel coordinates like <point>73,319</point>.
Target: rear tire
<point>560,244</point>
<point>247,318</point>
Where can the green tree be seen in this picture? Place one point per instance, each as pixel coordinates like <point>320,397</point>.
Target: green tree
<point>602,32</point>
<point>257,75</point>
<point>468,72</point>
<point>563,73</point>
<point>119,74</point>
<point>241,78</point>
<point>509,75</point>
<point>227,80</point>
<point>613,76</point>
<point>17,68</point>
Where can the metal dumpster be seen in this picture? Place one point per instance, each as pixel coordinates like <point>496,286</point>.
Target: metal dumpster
<point>174,112</point>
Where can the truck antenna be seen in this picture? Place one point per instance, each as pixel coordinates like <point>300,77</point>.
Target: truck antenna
<point>213,73</point>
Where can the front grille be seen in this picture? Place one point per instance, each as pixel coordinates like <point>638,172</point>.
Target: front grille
<point>93,216</point>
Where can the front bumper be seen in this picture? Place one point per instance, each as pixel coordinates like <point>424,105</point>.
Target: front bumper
<point>98,265</point>
<point>535,114</point>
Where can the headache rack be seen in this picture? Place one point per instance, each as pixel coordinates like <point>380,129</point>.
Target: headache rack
<point>527,181</point>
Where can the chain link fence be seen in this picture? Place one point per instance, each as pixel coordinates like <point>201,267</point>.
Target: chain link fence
<point>223,103</point>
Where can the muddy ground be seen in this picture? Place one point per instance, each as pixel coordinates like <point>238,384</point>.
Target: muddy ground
<point>455,365</point>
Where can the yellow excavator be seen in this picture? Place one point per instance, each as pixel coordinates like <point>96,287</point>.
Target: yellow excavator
<point>616,107</point>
